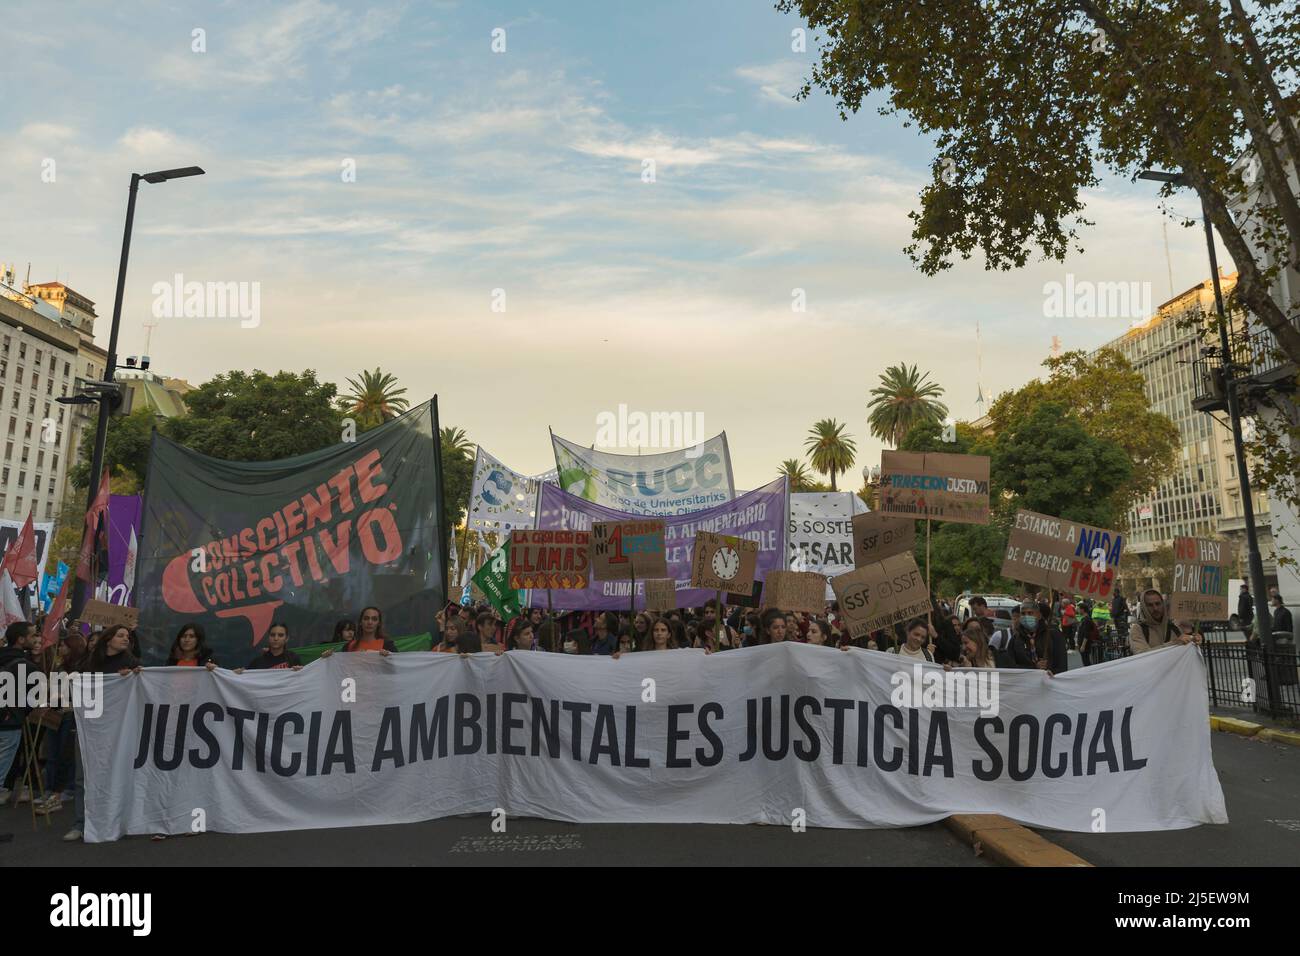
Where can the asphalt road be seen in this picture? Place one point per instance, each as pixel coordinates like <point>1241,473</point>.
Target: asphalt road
<point>469,841</point>
<point>1261,787</point>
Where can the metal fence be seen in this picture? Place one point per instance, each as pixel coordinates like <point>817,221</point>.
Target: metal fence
<point>1244,675</point>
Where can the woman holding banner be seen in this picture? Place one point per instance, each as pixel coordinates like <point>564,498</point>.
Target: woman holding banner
<point>918,631</point>
<point>277,655</point>
<point>112,654</point>
<point>190,649</point>
<point>371,636</point>
<point>661,637</point>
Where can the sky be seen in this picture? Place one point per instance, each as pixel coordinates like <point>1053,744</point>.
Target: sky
<point>518,179</point>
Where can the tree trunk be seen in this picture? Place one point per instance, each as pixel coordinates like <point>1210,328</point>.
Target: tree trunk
<point>1264,75</point>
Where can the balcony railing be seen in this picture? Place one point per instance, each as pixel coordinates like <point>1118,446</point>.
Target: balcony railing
<point>1255,358</point>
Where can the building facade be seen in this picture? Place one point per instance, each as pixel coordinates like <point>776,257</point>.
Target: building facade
<point>38,363</point>
<point>1201,497</point>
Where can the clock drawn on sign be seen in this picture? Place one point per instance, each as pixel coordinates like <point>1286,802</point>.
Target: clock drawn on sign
<point>726,563</point>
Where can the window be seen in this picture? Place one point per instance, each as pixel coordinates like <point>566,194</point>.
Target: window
<point>55,462</point>
<point>18,504</point>
<point>31,405</point>
<point>4,475</point>
<point>67,369</point>
<point>9,450</point>
<point>54,363</point>
<point>14,404</point>
<point>22,350</point>
<point>18,379</point>
<point>25,453</point>
<point>36,380</point>
<point>49,387</point>
<point>22,479</point>
<point>47,410</point>
<point>39,356</point>
<point>12,422</point>
<point>51,488</point>
<point>27,430</point>
<point>49,510</point>
<point>40,459</point>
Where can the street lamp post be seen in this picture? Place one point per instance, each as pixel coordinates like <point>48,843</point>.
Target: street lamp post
<point>1230,382</point>
<point>110,399</point>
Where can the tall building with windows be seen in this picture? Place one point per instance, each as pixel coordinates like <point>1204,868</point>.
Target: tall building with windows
<point>1201,495</point>
<point>38,362</point>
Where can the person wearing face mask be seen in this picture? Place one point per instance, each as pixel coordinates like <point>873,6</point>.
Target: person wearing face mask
<point>1154,629</point>
<point>1022,646</point>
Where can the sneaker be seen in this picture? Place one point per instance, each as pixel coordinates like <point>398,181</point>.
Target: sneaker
<point>72,836</point>
<point>67,796</point>
<point>50,805</point>
<point>24,796</point>
<point>158,836</point>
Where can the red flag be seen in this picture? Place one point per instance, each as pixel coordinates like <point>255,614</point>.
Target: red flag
<point>98,508</point>
<point>59,607</point>
<point>20,560</point>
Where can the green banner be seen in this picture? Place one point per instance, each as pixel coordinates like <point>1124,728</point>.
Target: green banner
<point>493,579</point>
<point>305,541</point>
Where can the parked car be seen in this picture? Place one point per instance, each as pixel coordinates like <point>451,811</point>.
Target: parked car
<point>999,604</point>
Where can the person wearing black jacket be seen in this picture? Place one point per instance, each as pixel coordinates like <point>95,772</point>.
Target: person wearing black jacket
<point>1282,622</point>
<point>112,653</point>
<point>190,649</point>
<point>277,655</point>
<point>1021,650</point>
<point>14,657</point>
<point>947,641</point>
<point>1245,607</point>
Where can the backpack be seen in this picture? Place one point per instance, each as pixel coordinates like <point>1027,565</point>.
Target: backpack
<point>1146,631</point>
<point>1002,655</point>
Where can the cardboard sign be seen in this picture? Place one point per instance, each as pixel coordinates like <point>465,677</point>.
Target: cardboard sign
<point>661,594</point>
<point>1061,554</point>
<point>752,599</point>
<point>796,591</point>
<point>1201,569</point>
<point>110,615</point>
<point>935,485</point>
<point>877,536</point>
<point>621,550</point>
<point>881,594</point>
<point>549,559</point>
<point>723,562</point>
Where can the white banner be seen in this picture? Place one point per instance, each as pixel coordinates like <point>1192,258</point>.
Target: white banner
<point>671,483</point>
<point>768,734</point>
<point>821,532</point>
<point>501,499</point>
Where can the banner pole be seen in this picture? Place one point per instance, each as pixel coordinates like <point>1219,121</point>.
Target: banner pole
<point>550,613</point>
<point>928,593</point>
<point>718,629</point>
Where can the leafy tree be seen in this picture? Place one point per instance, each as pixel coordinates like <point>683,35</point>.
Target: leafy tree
<point>829,450</point>
<point>374,399</point>
<point>800,479</point>
<point>253,416</point>
<point>903,398</point>
<point>456,441</point>
<point>126,452</point>
<point>457,475</point>
<point>928,437</point>
<point>1028,100</point>
<point>1108,397</point>
<point>1048,463</point>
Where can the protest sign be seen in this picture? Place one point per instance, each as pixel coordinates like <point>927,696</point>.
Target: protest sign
<point>758,515</point>
<point>935,485</point>
<point>723,562</point>
<point>877,536</point>
<point>881,594</point>
<point>549,559</point>
<point>234,545</point>
<point>796,591</point>
<point>1201,570</point>
<point>1063,555</point>
<point>660,594</point>
<point>109,615</point>
<point>622,550</point>
<point>821,531</point>
<point>855,740</point>
<point>670,483</point>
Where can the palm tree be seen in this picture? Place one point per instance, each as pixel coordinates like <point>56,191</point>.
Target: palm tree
<point>904,398</point>
<point>793,469</point>
<point>374,398</point>
<point>830,451</point>
<point>455,443</point>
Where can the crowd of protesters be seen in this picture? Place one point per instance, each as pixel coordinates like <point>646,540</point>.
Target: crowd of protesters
<point>1037,632</point>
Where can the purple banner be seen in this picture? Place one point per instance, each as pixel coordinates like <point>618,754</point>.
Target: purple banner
<point>123,520</point>
<point>759,515</point>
